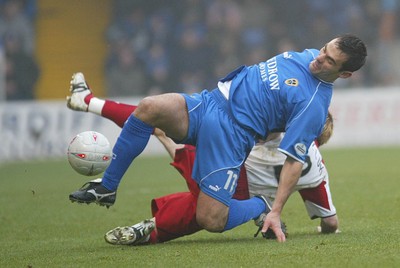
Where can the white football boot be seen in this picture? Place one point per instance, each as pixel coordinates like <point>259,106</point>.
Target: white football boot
<point>79,90</point>
<point>131,235</point>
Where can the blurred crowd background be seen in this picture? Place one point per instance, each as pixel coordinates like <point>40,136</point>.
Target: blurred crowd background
<point>186,45</point>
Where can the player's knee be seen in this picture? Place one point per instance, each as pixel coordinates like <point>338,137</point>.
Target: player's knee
<point>329,224</point>
<point>146,109</point>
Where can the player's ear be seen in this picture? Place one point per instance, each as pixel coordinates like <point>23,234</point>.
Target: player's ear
<point>345,74</point>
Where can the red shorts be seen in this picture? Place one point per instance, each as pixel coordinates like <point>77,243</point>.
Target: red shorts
<point>176,213</point>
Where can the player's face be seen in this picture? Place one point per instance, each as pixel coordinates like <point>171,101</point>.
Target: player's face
<point>327,64</point>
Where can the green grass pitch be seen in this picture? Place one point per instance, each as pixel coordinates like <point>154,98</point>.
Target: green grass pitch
<point>39,227</point>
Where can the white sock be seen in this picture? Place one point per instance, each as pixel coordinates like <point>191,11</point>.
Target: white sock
<point>96,105</point>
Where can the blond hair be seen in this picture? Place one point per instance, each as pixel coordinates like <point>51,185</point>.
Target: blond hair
<point>326,131</point>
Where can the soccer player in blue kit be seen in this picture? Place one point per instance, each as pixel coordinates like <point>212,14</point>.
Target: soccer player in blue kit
<point>288,93</point>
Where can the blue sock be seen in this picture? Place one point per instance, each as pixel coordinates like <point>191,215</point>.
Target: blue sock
<point>242,211</point>
<point>131,142</point>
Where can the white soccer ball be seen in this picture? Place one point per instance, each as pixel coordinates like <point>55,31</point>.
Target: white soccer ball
<point>89,153</point>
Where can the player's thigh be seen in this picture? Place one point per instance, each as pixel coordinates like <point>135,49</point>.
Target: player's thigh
<point>222,147</point>
<point>167,112</point>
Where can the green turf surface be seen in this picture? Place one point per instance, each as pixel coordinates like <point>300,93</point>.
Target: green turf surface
<point>39,227</point>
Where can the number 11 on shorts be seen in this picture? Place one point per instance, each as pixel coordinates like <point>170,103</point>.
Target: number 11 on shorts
<point>231,181</point>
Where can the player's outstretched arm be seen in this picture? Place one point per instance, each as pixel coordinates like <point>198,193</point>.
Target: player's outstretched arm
<point>167,142</point>
<point>289,177</point>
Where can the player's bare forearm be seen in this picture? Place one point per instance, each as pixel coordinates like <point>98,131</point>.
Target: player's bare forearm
<point>168,143</point>
<point>290,174</point>
<point>289,177</point>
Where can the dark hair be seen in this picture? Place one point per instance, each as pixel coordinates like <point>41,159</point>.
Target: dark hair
<point>355,49</point>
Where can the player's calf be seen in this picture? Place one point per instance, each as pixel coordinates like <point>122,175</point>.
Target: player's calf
<point>211,214</point>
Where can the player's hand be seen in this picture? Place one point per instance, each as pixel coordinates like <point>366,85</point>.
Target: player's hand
<point>273,221</point>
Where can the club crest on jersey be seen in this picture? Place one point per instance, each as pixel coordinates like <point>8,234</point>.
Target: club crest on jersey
<point>292,82</point>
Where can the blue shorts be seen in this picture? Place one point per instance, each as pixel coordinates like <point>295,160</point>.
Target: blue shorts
<point>221,144</point>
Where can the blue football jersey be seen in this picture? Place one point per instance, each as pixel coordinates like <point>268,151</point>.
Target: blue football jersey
<point>281,95</point>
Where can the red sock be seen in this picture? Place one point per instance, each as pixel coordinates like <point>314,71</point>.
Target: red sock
<point>88,98</point>
<point>117,112</point>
